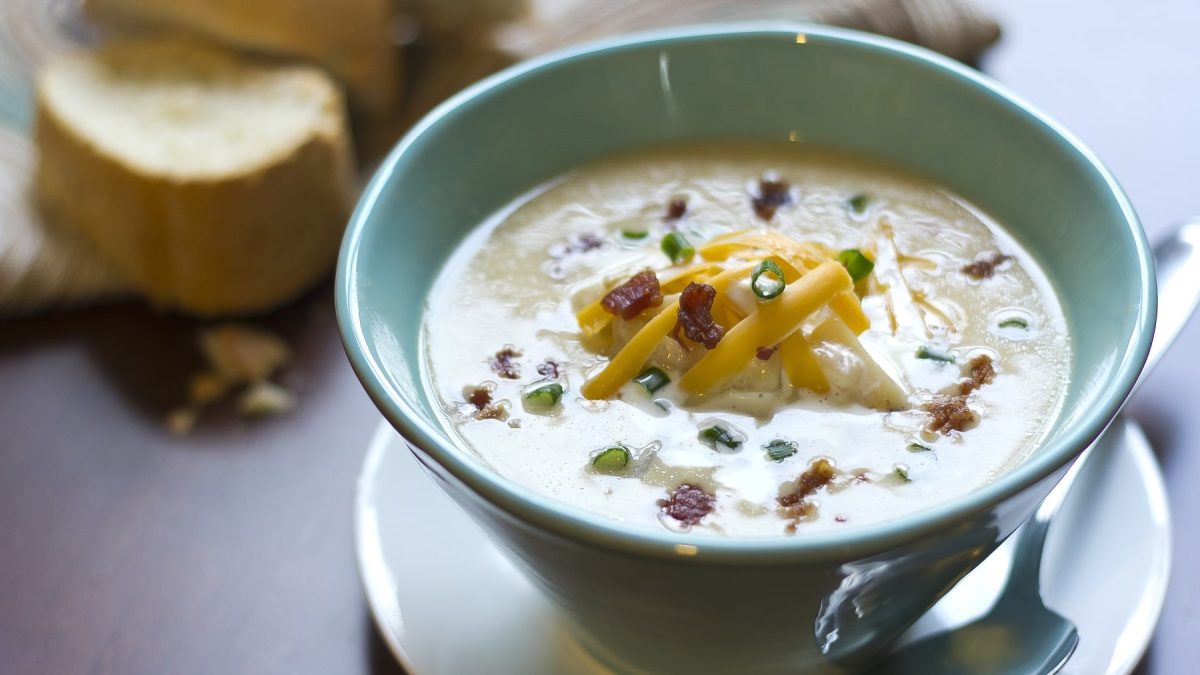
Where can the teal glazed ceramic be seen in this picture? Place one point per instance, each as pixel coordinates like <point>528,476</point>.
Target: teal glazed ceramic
<point>653,601</point>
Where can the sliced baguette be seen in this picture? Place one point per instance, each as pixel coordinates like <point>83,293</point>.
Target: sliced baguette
<point>347,37</point>
<point>216,184</point>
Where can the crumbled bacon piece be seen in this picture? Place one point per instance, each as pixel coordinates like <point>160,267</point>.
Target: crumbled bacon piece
<point>982,372</point>
<point>688,504</point>
<point>503,363</point>
<point>494,411</point>
<point>556,267</point>
<point>800,512</point>
<point>479,397</point>
<point>949,413</point>
<point>630,298</point>
<point>548,368</point>
<point>795,505</point>
<point>585,242</point>
<point>676,209</point>
<point>695,315</point>
<point>772,194</point>
<point>765,353</point>
<point>985,267</point>
<point>814,478</point>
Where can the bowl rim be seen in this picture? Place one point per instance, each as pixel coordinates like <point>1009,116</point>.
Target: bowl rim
<point>580,526</point>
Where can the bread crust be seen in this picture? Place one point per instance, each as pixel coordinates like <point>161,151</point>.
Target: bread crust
<point>241,243</point>
<point>349,38</point>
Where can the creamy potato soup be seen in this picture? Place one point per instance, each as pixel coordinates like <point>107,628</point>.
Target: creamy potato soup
<point>746,340</point>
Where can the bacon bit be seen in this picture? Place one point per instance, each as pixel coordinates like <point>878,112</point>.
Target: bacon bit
<point>493,411</point>
<point>695,315</point>
<point>676,209</point>
<point>814,478</point>
<point>479,397</point>
<point>765,353</point>
<point>688,504</point>
<point>548,368</point>
<point>802,511</point>
<point>772,194</point>
<point>840,518</point>
<point>795,505</point>
<point>630,298</point>
<point>949,413</point>
<point>985,267</point>
<point>576,243</point>
<point>503,363</point>
<point>585,242</point>
<point>982,372</point>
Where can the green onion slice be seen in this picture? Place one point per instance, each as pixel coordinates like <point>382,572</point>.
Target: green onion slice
<point>767,280</point>
<point>779,450</point>
<point>858,203</point>
<point>917,447</point>
<point>612,459</point>
<point>1015,322</point>
<point>934,353</point>
<point>652,379</point>
<point>900,471</point>
<point>544,397</point>
<point>857,264</point>
<point>635,234</point>
<point>717,435</point>
<point>677,248</point>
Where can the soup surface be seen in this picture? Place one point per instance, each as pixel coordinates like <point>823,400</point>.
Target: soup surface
<point>747,340</point>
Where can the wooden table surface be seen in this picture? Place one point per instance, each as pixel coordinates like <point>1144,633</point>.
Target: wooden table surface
<point>126,550</point>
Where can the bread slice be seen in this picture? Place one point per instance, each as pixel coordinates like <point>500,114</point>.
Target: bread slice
<point>216,184</point>
<point>347,37</point>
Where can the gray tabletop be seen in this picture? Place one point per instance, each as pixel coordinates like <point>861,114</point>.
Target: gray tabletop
<point>125,550</point>
<point>1122,76</point>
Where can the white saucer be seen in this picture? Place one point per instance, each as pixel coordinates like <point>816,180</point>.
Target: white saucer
<point>446,601</point>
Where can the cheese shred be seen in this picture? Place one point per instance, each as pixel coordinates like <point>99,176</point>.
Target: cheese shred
<point>814,281</point>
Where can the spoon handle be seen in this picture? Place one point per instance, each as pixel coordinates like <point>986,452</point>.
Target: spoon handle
<point>1177,267</point>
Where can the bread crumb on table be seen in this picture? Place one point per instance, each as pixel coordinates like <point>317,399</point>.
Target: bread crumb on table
<point>239,358</point>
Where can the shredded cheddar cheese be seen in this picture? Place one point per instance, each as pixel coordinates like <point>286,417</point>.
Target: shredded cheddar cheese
<point>814,281</point>
<point>768,325</point>
<point>633,355</point>
<point>800,364</point>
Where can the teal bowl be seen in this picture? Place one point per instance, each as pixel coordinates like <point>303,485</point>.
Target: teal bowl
<point>655,601</point>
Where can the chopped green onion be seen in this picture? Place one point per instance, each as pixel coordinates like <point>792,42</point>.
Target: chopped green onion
<point>652,379</point>
<point>900,471</point>
<point>764,286</point>
<point>677,248</point>
<point>611,460</point>
<point>544,397</point>
<point>779,450</point>
<point>719,436</point>
<point>917,447</point>
<point>857,264</point>
<point>635,234</point>
<point>858,203</point>
<point>1015,322</point>
<point>934,353</point>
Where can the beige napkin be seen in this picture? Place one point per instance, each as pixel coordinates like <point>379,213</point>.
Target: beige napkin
<point>43,265</point>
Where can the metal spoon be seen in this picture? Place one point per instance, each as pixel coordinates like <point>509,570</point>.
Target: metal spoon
<point>1045,638</point>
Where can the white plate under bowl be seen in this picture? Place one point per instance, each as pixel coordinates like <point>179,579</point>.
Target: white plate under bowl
<point>447,602</point>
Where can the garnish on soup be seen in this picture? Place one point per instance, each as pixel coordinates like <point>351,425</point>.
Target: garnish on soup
<point>688,375</point>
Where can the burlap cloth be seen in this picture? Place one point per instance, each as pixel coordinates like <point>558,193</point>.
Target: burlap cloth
<point>45,265</point>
